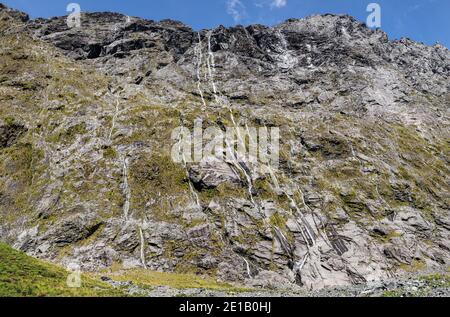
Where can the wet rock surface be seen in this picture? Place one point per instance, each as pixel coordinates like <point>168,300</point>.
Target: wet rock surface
<point>360,195</point>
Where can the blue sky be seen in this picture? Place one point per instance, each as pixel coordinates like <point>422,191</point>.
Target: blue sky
<point>422,20</point>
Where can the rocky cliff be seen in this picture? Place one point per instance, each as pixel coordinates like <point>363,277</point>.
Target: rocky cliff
<point>87,115</point>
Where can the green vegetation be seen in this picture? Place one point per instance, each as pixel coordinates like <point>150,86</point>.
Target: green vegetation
<point>109,153</point>
<point>9,120</point>
<point>150,279</point>
<point>393,293</point>
<point>430,282</point>
<point>21,275</point>
<point>158,171</point>
<point>437,280</point>
<point>415,266</point>
<point>223,191</point>
<point>24,276</point>
<point>68,136</point>
<point>16,165</point>
<point>278,221</point>
<point>388,237</point>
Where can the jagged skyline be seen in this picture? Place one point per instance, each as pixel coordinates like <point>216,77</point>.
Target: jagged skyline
<point>423,21</point>
<point>95,172</point>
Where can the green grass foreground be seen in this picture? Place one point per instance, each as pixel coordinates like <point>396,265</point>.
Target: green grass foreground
<point>24,276</point>
<point>146,279</point>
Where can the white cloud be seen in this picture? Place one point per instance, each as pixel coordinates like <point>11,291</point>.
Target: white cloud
<point>278,3</point>
<point>236,9</point>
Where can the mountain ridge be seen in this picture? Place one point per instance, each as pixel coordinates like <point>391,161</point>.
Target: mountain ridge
<point>361,193</point>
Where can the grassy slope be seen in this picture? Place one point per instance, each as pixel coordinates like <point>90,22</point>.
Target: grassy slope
<point>432,282</point>
<point>150,279</point>
<point>21,275</point>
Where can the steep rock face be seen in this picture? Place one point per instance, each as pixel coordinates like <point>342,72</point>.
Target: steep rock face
<point>87,114</point>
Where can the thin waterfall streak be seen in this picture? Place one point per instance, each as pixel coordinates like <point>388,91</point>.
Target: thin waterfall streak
<point>126,189</point>
<point>294,204</point>
<point>142,241</point>
<point>113,124</point>
<point>239,167</point>
<point>218,100</point>
<point>313,214</point>
<point>210,61</point>
<point>308,237</point>
<point>300,268</point>
<point>249,273</point>
<point>191,188</point>
<point>199,65</point>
